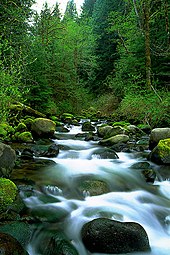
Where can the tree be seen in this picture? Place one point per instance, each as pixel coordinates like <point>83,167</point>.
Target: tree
<point>106,45</point>
<point>71,11</point>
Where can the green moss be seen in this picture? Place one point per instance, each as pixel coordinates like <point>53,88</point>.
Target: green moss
<point>21,126</point>
<point>25,137</point>
<point>121,124</point>
<point>8,191</point>
<point>164,148</point>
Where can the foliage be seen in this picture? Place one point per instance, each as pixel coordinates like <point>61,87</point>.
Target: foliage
<point>8,192</point>
<point>146,108</point>
<point>11,88</point>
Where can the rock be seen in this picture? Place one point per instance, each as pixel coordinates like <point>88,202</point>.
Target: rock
<point>25,137</point>
<point>158,134</point>
<point>7,159</point>
<point>104,153</point>
<point>56,243</point>
<point>93,187</point>
<point>103,235</point>
<point>8,192</point>
<point>67,117</point>
<point>87,126</point>
<point>42,127</point>
<point>108,131</point>
<point>114,140</point>
<point>9,245</point>
<point>21,231</point>
<point>161,153</point>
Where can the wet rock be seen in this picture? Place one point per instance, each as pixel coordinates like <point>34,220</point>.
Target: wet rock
<point>93,187</point>
<point>158,134</point>
<point>114,140</point>
<point>9,245</point>
<point>87,126</point>
<point>109,236</point>
<point>56,243</point>
<point>21,231</point>
<point>7,159</point>
<point>25,137</point>
<point>108,131</point>
<point>105,153</point>
<point>42,127</point>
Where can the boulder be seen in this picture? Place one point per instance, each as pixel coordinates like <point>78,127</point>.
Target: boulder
<point>93,187</point>
<point>158,134</point>
<point>8,192</point>
<point>87,126</point>
<point>7,159</point>
<point>42,127</point>
<point>161,153</point>
<point>103,235</point>
<point>114,140</point>
<point>9,245</point>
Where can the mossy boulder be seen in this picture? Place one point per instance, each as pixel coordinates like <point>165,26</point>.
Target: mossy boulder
<point>42,127</point>
<point>103,235</point>
<point>87,126</point>
<point>158,134</point>
<point>25,137</point>
<point>5,130</point>
<point>161,153</point>
<point>67,117</point>
<point>21,127</point>
<point>8,192</point>
<point>7,159</point>
<point>108,131</point>
<point>114,140</point>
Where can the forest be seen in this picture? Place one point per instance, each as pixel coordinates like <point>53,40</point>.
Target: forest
<point>113,58</point>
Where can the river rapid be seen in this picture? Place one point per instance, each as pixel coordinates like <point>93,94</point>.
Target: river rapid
<point>130,199</point>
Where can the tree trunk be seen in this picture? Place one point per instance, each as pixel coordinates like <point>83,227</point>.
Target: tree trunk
<point>146,11</point>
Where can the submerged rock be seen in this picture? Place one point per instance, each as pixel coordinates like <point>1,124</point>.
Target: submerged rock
<point>93,187</point>
<point>109,236</point>
<point>56,243</point>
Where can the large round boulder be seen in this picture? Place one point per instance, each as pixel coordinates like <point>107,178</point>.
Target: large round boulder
<point>108,131</point>
<point>114,140</point>
<point>7,159</point>
<point>161,153</point>
<point>103,235</point>
<point>158,134</point>
<point>42,127</point>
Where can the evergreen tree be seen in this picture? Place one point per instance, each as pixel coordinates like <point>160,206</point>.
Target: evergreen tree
<point>106,47</point>
<point>71,11</point>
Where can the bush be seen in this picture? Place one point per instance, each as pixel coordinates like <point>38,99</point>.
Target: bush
<point>146,108</point>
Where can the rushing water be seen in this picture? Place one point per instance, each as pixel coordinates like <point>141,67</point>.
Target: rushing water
<point>130,197</point>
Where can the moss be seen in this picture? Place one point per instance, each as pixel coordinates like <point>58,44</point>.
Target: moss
<point>5,129</point>
<point>21,127</point>
<point>164,148</point>
<point>121,123</point>
<point>8,192</point>
<point>25,137</point>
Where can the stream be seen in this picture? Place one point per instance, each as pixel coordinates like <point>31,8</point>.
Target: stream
<point>130,197</point>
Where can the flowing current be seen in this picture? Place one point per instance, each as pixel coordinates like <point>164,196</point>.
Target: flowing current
<point>130,199</point>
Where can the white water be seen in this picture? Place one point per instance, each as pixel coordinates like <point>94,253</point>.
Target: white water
<point>130,197</point>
